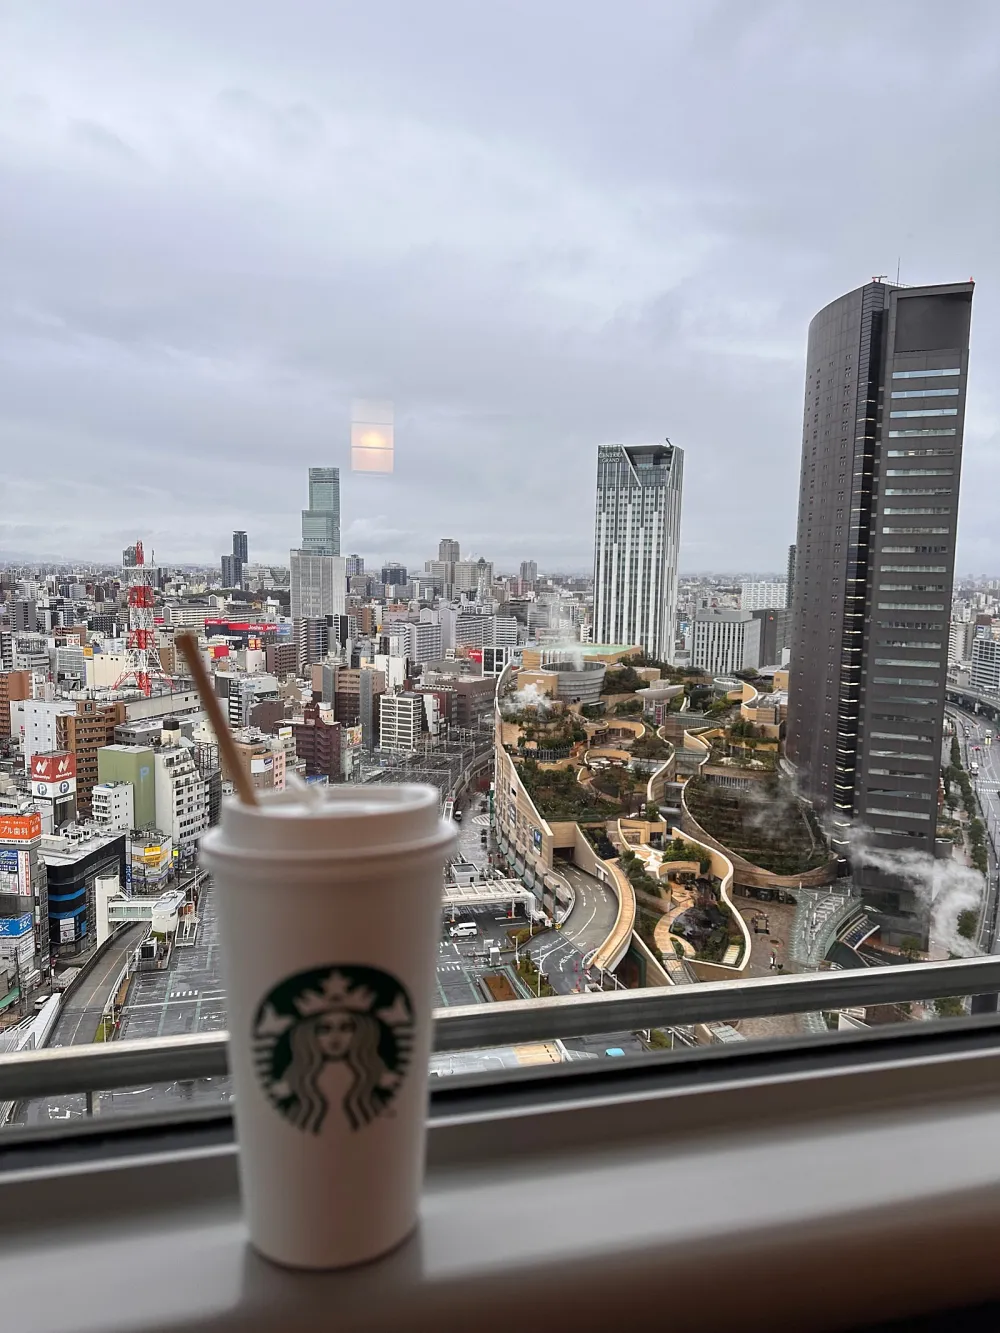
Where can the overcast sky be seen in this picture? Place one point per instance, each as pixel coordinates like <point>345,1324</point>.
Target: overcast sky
<point>535,225</point>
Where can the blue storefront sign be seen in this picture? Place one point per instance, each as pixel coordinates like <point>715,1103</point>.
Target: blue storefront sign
<point>14,926</point>
<point>8,860</point>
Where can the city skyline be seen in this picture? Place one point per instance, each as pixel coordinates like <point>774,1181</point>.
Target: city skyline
<point>204,363</point>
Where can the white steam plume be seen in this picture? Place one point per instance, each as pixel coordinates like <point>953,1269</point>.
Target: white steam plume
<point>943,886</point>
<point>530,698</point>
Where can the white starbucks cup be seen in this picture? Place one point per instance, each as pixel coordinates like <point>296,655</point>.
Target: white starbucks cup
<point>330,912</point>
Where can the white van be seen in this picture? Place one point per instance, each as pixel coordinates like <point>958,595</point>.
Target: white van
<point>465,930</point>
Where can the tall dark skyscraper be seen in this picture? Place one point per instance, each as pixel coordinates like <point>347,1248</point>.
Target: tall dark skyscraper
<point>874,562</point>
<point>240,548</point>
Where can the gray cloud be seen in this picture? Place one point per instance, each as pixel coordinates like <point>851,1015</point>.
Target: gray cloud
<point>534,227</point>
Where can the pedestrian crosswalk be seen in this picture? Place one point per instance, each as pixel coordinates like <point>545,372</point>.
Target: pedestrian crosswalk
<point>181,994</point>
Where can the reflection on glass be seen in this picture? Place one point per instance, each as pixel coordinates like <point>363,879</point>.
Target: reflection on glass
<point>372,436</point>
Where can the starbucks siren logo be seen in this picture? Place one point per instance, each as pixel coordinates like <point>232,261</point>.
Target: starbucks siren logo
<point>343,1013</point>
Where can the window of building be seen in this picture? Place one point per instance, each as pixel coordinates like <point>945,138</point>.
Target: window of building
<point>923,374</point>
<point>927,412</point>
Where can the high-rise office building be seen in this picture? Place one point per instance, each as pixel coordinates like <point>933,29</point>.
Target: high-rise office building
<point>355,565</point>
<point>401,718</point>
<point>317,584</point>
<point>763,595</point>
<point>240,547</point>
<point>393,575</point>
<point>529,571</point>
<point>24,615</point>
<point>636,540</point>
<point>448,550</point>
<point>232,571</point>
<point>874,563</point>
<point>725,641</point>
<point>321,521</point>
<point>985,674</point>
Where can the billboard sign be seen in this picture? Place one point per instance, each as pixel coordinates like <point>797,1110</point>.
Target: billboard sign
<point>11,927</point>
<point>238,626</point>
<point>262,765</point>
<point>15,871</point>
<point>58,766</point>
<point>20,828</point>
<point>50,791</point>
<point>67,930</point>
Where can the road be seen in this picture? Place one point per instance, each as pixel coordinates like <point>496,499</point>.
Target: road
<point>82,1009</point>
<point>987,786</point>
<point>187,997</point>
<point>594,912</point>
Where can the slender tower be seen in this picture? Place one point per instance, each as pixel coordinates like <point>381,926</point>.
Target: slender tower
<point>143,659</point>
<point>636,541</point>
<point>882,434</point>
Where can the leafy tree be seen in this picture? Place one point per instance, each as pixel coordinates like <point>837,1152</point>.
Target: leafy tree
<point>949,1006</point>
<point>910,948</point>
<point>652,812</point>
<point>967,922</point>
<point>624,681</point>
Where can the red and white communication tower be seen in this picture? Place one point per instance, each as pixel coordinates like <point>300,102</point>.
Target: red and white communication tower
<point>143,659</point>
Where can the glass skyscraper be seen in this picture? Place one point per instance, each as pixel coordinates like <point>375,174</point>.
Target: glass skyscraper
<point>636,540</point>
<point>321,521</point>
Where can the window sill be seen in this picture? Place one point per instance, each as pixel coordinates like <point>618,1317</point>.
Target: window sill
<point>801,1196</point>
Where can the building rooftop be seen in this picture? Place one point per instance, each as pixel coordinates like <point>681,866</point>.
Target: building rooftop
<point>80,841</point>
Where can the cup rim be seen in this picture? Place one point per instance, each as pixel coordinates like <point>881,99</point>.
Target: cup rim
<point>219,849</point>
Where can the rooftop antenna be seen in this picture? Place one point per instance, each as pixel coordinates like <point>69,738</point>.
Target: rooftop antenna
<point>898,261</point>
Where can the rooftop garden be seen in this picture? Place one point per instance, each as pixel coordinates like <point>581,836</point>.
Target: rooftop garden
<point>625,680</point>
<point>676,675</point>
<point>765,825</point>
<point>622,786</point>
<point>709,929</point>
<point>676,850</point>
<point>558,796</point>
<point>745,743</point>
<point>552,734</point>
<point>650,747</point>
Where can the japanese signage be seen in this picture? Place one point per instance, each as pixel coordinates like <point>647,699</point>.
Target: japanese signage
<point>67,930</point>
<point>13,926</point>
<point>15,871</point>
<point>20,828</point>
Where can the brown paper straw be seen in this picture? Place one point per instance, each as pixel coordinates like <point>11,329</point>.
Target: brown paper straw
<point>188,645</point>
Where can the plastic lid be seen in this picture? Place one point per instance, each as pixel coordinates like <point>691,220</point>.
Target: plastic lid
<point>332,820</point>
